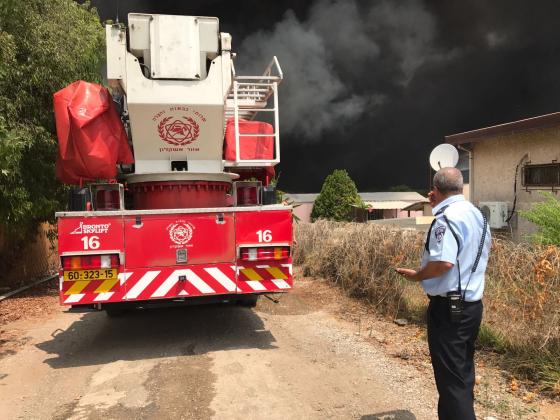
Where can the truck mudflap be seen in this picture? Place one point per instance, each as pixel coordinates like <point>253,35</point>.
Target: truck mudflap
<point>142,284</point>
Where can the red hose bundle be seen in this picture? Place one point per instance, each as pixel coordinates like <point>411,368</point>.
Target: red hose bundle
<point>254,147</point>
<point>91,137</point>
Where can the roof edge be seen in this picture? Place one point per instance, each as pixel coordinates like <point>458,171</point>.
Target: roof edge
<point>541,121</point>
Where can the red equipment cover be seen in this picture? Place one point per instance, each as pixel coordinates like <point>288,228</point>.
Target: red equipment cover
<point>91,137</point>
<point>258,147</point>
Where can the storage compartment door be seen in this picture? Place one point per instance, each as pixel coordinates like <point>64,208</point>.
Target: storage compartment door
<point>179,240</point>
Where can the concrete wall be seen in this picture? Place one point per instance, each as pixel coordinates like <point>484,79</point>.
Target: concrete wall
<point>400,214</point>
<point>421,223</point>
<point>467,191</point>
<point>390,214</point>
<point>303,211</point>
<point>494,162</point>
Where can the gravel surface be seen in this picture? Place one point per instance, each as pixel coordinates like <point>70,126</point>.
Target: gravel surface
<point>36,302</point>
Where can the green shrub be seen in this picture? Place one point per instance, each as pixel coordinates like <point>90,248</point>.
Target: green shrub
<point>44,46</point>
<point>546,215</point>
<point>337,195</point>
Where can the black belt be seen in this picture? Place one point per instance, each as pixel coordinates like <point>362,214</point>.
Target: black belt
<point>445,299</point>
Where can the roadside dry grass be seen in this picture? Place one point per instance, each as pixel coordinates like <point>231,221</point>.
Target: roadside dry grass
<point>522,298</point>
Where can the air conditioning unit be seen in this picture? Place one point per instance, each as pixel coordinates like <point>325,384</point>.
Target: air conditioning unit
<point>496,212</point>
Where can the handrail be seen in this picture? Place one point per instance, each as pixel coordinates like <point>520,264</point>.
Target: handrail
<point>274,62</point>
<point>267,74</point>
<point>249,95</point>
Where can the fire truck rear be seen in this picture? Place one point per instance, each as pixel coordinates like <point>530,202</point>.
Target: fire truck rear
<point>176,200</point>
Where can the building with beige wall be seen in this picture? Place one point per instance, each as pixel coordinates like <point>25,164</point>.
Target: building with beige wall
<point>303,205</point>
<point>513,162</point>
<point>382,205</point>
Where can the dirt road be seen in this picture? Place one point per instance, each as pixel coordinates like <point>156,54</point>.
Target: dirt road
<point>277,362</point>
<point>289,360</point>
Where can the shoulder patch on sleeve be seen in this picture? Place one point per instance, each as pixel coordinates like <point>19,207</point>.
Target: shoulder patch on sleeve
<point>439,232</point>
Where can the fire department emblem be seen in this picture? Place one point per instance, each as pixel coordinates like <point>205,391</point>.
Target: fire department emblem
<point>180,232</point>
<point>178,131</point>
<point>439,232</point>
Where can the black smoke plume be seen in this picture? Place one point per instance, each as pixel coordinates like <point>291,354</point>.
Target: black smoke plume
<point>373,86</point>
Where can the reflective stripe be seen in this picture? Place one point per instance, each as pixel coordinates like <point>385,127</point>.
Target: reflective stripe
<point>104,296</point>
<point>77,287</point>
<point>256,285</point>
<point>106,286</point>
<point>281,284</point>
<point>171,281</point>
<point>289,267</point>
<point>74,298</point>
<point>141,284</point>
<point>221,278</point>
<point>123,277</point>
<point>198,282</point>
<point>276,273</point>
<point>251,274</point>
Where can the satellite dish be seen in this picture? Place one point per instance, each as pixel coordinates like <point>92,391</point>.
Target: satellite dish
<point>444,156</point>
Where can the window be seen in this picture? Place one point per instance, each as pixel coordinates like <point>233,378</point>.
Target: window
<point>375,214</point>
<point>544,175</point>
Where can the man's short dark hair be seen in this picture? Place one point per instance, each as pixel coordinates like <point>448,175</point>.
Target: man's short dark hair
<point>449,181</point>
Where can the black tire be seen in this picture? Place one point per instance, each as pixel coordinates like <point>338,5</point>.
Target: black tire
<point>248,301</point>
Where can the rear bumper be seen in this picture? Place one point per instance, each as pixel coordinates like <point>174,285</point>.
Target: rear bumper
<point>163,303</point>
<point>180,282</point>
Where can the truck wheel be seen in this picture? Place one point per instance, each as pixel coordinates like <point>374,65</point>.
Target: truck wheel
<point>248,301</point>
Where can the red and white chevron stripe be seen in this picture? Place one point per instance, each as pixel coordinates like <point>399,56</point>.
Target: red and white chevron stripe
<point>172,282</point>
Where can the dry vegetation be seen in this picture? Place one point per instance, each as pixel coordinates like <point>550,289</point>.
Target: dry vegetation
<point>522,297</point>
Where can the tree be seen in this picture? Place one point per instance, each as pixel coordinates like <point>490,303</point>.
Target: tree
<point>546,215</point>
<point>44,46</point>
<point>337,195</point>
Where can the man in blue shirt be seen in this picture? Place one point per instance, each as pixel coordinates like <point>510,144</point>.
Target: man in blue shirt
<point>452,274</point>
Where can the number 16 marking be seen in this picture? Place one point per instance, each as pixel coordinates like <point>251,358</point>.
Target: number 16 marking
<point>264,235</point>
<point>90,242</point>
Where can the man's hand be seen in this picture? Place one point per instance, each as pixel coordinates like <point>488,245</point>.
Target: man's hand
<point>432,270</point>
<point>408,273</point>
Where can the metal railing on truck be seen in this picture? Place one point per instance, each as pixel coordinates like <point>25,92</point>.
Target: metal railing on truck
<point>249,96</point>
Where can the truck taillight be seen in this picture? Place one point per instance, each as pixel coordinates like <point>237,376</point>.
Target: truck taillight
<point>86,262</point>
<point>265,253</point>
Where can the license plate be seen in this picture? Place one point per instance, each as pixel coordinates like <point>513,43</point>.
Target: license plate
<point>103,274</point>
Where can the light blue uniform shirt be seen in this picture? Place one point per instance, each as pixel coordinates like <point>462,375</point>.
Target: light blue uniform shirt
<point>467,222</point>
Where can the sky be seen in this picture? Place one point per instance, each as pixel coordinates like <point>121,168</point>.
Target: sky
<point>373,86</point>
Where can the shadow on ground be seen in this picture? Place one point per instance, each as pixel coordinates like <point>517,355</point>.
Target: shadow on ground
<point>146,334</point>
<point>391,415</point>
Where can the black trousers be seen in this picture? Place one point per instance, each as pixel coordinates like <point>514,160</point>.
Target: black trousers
<point>452,351</point>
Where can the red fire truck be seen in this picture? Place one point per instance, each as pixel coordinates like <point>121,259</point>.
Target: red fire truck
<point>175,200</point>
